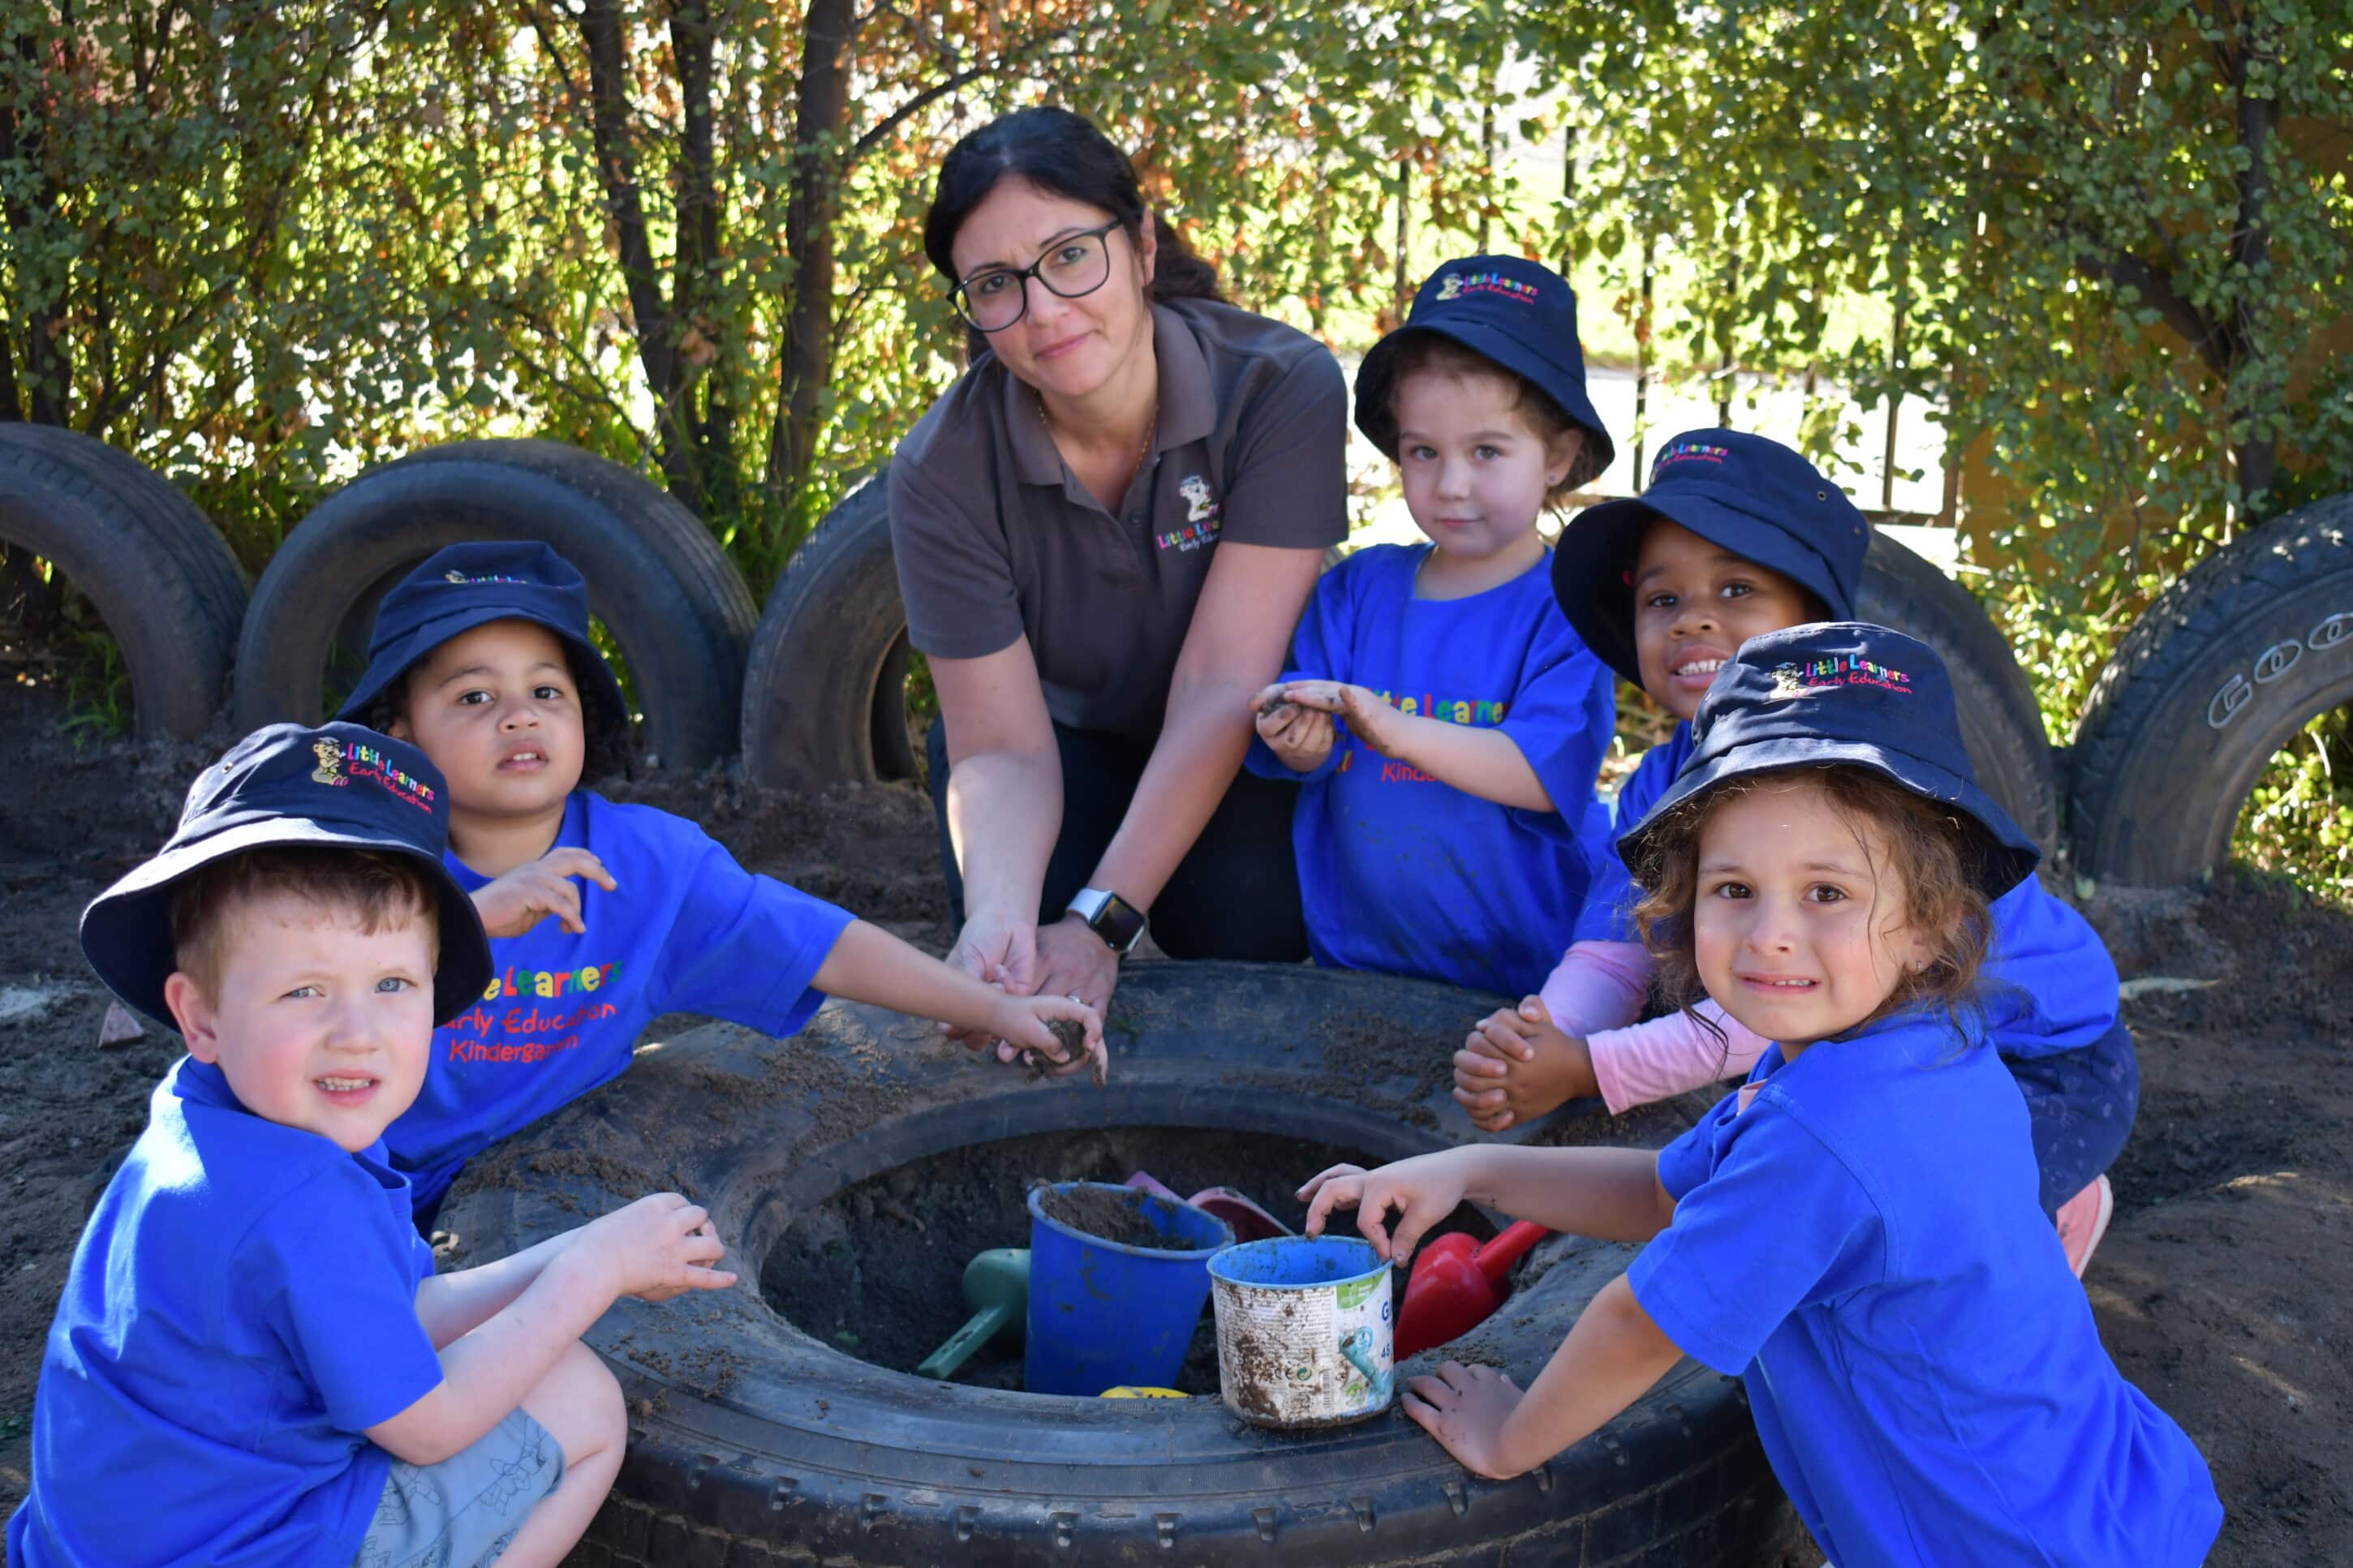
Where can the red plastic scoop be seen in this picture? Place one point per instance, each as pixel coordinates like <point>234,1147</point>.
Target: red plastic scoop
<point>1457,1284</point>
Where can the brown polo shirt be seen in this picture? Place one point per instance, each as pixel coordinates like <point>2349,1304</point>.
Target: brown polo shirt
<point>996,537</point>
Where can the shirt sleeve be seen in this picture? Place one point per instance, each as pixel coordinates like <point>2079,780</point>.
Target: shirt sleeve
<point>1562,715</point>
<point>745,948</point>
<point>1598,985</point>
<point>1319,651</point>
<point>1670,1055</point>
<point>1608,912</point>
<point>1763,1233</point>
<point>345,1306</point>
<point>955,576</point>
<point>2048,983</point>
<point>1290,476</point>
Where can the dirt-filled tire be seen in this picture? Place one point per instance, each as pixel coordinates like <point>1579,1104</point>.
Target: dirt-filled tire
<point>751,1442</point>
<point>825,692</point>
<point>656,579</point>
<point>2229,663</point>
<point>2000,724</point>
<point>158,573</point>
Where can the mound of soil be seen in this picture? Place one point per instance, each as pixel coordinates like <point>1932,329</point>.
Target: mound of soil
<point>1120,1219</point>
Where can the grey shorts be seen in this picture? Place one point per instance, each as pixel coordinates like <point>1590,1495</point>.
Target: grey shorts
<point>465,1510</point>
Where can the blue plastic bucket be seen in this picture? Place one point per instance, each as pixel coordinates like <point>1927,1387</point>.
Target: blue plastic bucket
<point>1304,1330</point>
<point>1101,1314</point>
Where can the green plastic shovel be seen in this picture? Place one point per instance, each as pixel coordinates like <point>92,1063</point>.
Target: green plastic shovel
<point>996,1287</point>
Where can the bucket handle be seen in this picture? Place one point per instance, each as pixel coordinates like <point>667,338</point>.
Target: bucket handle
<point>1357,1348</point>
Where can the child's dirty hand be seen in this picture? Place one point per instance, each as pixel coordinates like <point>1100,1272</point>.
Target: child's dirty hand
<point>513,904</point>
<point>1517,1064</point>
<point>1421,1190</point>
<point>1300,738</point>
<point>1370,720</point>
<point>1056,1036</point>
<point>657,1248</point>
<point>1464,1407</point>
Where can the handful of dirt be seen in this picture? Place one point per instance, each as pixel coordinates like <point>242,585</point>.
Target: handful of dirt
<point>1071,1036</point>
<point>1271,706</point>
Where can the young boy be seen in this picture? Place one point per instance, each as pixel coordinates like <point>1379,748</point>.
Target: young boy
<point>483,659</point>
<point>1736,536</point>
<point>253,1362</point>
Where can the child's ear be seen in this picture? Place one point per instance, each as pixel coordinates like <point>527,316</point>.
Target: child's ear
<point>398,728</point>
<point>193,1011</point>
<point>1560,456</point>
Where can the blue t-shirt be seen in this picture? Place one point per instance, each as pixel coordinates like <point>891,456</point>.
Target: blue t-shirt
<point>1398,872</point>
<point>689,931</point>
<point>2047,983</point>
<point>241,1306</point>
<point>1863,1246</point>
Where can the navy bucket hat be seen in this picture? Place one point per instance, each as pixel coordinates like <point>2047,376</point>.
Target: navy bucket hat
<point>472,585</point>
<point>1743,493</point>
<point>1514,312</point>
<point>1842,692</point>
<point>338,786</point>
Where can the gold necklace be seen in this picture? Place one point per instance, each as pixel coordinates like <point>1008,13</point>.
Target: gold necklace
<point>1151,428</point>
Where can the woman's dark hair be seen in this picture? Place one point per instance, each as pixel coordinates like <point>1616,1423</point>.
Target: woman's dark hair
<point>608,740</point>
<point>1062,153</point>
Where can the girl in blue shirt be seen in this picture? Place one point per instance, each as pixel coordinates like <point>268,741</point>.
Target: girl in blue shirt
<point>1447,723</point>
<point>603,915</point>
<point>1855,1232</point>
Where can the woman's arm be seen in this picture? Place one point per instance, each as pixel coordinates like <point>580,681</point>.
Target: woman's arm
<point>1004,808</point>
<point>1241,627</point>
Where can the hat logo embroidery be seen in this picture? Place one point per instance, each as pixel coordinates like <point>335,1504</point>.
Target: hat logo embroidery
<point>330,759</point>
<point>367,762</point>
<point>1689,452</point>
<point>1817,677</point>
<point>1454,285</point>
<point>463,579</point>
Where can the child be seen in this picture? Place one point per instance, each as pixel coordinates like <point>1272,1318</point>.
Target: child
<point>1854,1232</point>
<point>482,657</point>
<point>1449,726</point>
<point>253,1361</point>
<point>1738,535</point>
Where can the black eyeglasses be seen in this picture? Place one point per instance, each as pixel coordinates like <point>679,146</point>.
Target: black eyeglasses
<point>1074,266</point>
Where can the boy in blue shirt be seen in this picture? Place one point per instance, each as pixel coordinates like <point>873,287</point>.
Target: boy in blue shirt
<point>1449,726</point>
<point>253,1363</point>
<point>602,916</point>
<point>1855,1232</point>
<point>1737,535</point>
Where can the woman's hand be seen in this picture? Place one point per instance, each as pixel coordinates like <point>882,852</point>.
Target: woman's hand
<point>1000,951</point>
<point>1299,737</point>
<point>1072,961</point>
<point>1370,720</point>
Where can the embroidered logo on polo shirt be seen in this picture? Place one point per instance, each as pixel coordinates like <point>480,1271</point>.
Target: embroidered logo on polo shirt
<point>1201,511</point>
<point>1819,676</point>
<point>1454,285</point>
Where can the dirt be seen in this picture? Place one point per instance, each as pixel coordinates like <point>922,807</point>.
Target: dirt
<point>2222,1289</point>
<point>1123,1219</point>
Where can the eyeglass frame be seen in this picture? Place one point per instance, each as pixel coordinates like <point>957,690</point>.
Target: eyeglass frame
<point>959,293</point>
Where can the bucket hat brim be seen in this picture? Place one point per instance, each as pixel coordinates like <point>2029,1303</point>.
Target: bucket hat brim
<point>1375,375</point>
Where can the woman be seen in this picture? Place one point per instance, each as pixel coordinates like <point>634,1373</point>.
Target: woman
<point>1105,532</point>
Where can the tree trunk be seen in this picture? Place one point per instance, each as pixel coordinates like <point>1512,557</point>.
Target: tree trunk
<point>829,38</point>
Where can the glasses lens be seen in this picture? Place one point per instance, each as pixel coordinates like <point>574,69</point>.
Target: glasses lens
<point>1076,266</point>
<point>991,301</point>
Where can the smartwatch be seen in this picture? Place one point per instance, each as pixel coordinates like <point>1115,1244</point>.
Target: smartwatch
<point>1109,916</point>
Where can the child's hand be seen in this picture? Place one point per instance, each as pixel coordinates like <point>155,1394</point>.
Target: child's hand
<point>1517,1064</point>
<point>1423,1190</point>
<point>1464,1407</point>
<point>1300,738</point>
<point>1027,1024</point>
<point>1370,720</point>
<point>513,904</point>
<point>657,1248</point>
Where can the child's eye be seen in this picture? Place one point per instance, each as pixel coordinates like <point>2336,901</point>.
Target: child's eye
<point>549,693</point>
<point>473,699</point>
<point>1484,453</point>
<point>300,991</point>
<point>1661,601</point>
<point>1730,890</point>
<point>1420,454</point>
<point>1737,590</point>
<point>392,983</point>
<point>1823,893</point>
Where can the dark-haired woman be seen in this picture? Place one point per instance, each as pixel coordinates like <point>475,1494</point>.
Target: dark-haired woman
<point>1105,532</point>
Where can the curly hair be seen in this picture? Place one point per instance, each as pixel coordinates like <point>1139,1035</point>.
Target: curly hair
<point>1419,351</point>
<point>1930,846</point>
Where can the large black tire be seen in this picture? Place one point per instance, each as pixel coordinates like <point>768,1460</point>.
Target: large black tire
<point>824,693</point>
<point>2229,663</point>
<point>751,1442</point>
<point>2001,723</point>
<point>160,575</point>
<point>656,577</point>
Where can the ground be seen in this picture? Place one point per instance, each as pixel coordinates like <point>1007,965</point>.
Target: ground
<point>2223,1287</point>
